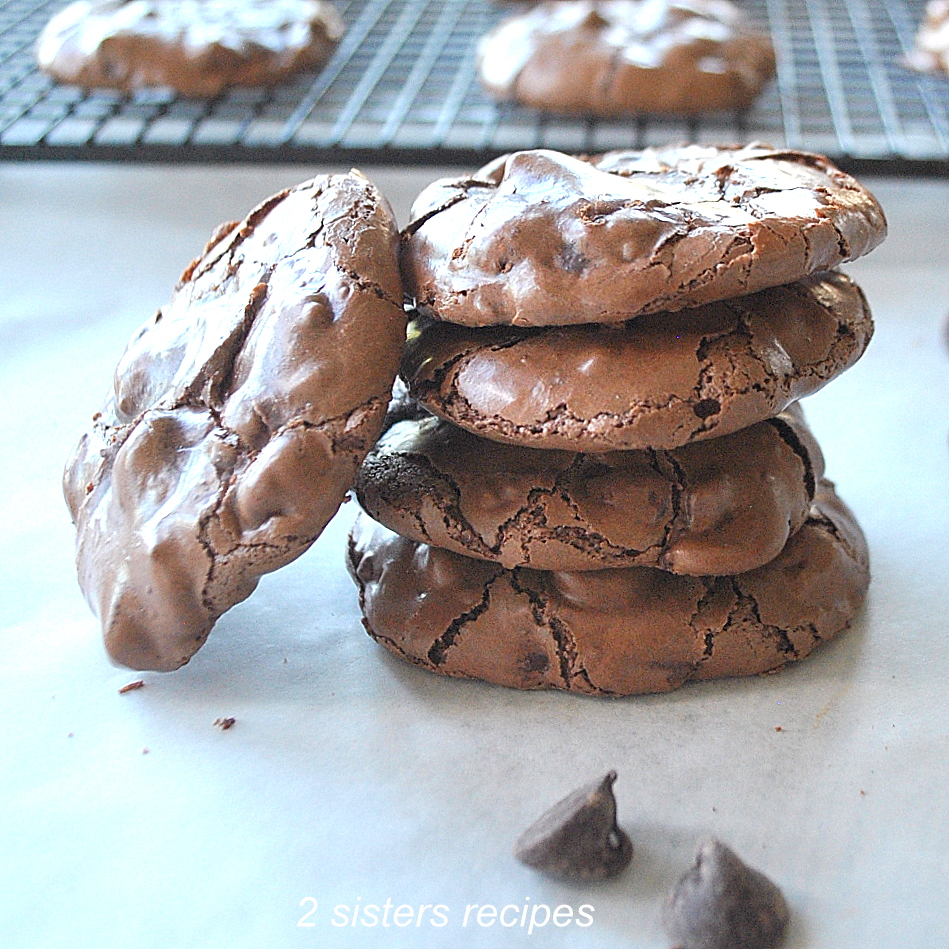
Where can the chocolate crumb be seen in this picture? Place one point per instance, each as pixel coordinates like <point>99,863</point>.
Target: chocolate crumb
<point>578,838</point>
<point>224,723</point>
<point>720,903</point>
<point>132,686</point>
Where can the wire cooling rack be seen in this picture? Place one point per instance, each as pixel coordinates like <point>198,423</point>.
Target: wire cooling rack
<point>402,88</point>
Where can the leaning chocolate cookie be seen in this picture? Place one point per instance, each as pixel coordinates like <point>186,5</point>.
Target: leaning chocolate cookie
<point>720,506</point>
<point>196,47</point>
<point>609,632</point>
<point>538,238</point>
<point>238,417</point>
<point>627,57</point>
<point>659,381</point>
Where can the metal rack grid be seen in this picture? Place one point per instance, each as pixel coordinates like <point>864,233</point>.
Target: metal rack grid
<point>402,87</point>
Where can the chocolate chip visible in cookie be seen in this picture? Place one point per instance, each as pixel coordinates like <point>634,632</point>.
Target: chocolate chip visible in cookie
<point>538,238</point>
<point>196,47</point>
<point>720,506</point>
<point>659,381</point>
<point>238,417</point>
<point>609,632</point>
<point>627,57</point>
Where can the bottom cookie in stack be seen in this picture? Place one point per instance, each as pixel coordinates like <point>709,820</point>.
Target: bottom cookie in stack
<point>612,573</point>
<point>620,631</point>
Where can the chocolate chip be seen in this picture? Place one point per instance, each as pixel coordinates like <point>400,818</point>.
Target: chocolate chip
<point>720,903</point>
<point>706,408</point>
<point>578,838</point>
<point>536,662</point>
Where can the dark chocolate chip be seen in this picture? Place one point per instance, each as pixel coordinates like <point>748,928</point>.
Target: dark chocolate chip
<point>578,839</point>
<point>720,903</point>
<point>706,408</point>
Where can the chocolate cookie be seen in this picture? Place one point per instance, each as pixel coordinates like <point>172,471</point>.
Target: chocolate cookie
<point>720,506</point>
<point>930,52</point>
<point>623,57</point>
<point>538,238</point>
<point>609,632</point>
<point>238,417</point>
<point>196,47</point>
<point>658,381</point>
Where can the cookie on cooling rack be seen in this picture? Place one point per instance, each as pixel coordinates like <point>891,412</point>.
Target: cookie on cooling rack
<point>616,57</point>
<point>196,47</point>
<point>930,52</point>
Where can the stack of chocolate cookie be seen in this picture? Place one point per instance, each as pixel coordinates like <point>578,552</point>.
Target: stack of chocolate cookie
<point>610,487</point>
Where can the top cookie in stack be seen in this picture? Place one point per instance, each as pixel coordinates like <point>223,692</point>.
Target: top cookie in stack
<point>539,238</point>
<point>648,320</point>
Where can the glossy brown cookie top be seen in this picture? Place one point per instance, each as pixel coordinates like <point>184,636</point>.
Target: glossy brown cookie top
<point>196,47</point>
<point>538,238</point>
<point>609,632</point>
<point>658,381</point>
<point>615,57</point>
<point>720,506</point>
<point>238,417</point>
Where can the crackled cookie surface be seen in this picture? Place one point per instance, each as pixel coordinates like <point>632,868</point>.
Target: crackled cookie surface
<point>238,417</point>
<point>721,506</point>
<point>538,238</point>
<point>609,632</point>
<point>196,47</point>
<point>616,57</point>
<point>659,381</point>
